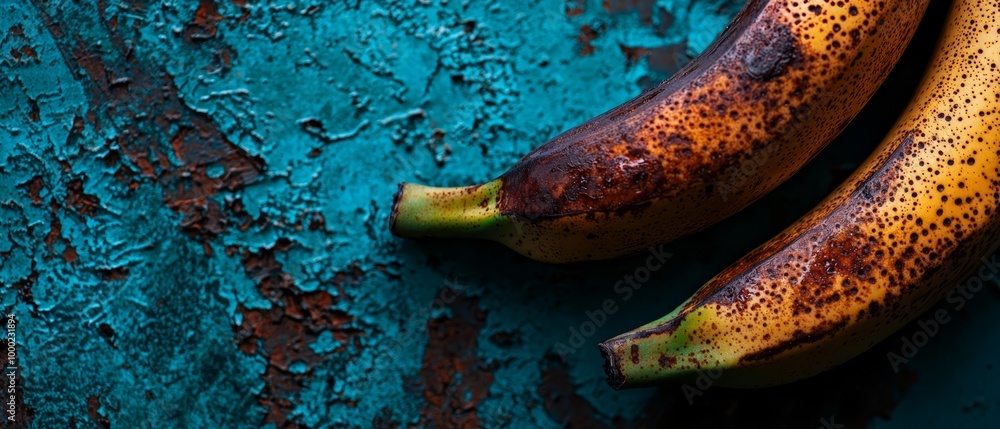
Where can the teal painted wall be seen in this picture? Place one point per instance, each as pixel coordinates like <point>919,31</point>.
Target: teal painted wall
<point>194,199</point>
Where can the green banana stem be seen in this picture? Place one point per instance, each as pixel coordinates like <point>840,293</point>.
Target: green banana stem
<point>424,211</point>
<point>645,356</point>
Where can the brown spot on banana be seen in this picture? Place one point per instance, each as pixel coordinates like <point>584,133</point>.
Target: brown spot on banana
<point>799,338</point>
<point>881,249</point>
<point>774,49</point>
<point>776,86</point>
<point>726,288</point>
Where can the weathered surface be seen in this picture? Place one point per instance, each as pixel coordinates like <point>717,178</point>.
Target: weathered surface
<point>194,199</point>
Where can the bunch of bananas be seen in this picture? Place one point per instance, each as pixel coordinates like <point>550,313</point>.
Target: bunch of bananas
<point>778,85</point>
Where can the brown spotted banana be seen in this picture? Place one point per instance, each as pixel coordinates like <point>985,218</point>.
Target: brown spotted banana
<point>781,81</point>
<point>921,212</point>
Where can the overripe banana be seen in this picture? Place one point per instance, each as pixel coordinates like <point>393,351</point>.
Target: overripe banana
<point>881,249</point>
<point>778,84</point>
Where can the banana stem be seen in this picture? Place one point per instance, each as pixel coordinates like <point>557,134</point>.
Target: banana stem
<point>645,356</point>
<point>424,211</point>
<point>627,365</point>
<point>611,351</point>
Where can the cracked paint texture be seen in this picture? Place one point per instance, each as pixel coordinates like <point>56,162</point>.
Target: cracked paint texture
<point>194,198</point>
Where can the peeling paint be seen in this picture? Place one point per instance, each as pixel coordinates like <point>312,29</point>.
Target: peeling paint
<point>194,199</point>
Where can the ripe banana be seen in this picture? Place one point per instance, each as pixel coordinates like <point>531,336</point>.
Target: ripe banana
<point>782,80</point>
<point>880,250</point>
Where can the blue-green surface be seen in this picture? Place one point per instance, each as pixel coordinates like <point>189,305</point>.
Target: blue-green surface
<point>194,200</point>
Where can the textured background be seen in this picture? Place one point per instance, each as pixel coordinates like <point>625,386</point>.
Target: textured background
<point>194,198</point>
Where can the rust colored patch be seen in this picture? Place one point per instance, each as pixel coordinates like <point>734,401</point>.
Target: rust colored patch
<point>54,236</point>
<point>93,410</point>
<point>664,59</point>
<point>147,105</point>
<point>78,125</point>
<point>203,220</point>
<point>69,254</point>
<point>241,219</point>
<point>575,7</point>
<point>80,202</point>
<point>282,334</point>
<point>33,111</point>
<point>127,176</point>
<point>35,186</point>
<point>205,23</point>
<point>24,53</point>
<point>587,35</point>
<point>453,380</point>
<point>29,52</point>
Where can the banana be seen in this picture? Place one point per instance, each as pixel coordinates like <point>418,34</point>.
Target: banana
<point>781,81</point>
<point>881,249</point>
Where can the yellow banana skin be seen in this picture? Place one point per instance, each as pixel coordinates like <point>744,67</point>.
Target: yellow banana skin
<point>777,85</point>
<point>884,247</point>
